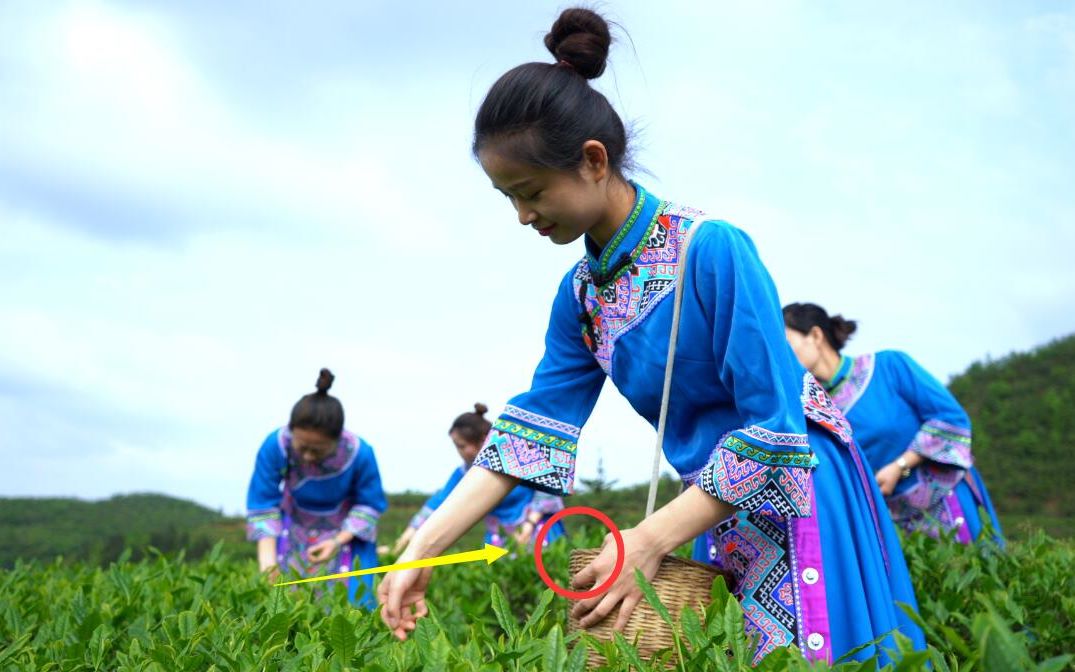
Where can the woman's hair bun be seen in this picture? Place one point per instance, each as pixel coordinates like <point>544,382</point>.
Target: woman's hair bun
<point>581,39</point>
<point>841,330</point>
<point>480,408</point>
<point>324,381</point>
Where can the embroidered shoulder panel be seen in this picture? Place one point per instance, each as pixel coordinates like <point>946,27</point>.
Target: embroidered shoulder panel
<point>618,306</point>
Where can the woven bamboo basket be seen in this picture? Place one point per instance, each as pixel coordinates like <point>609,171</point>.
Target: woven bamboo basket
<point>679,583</point>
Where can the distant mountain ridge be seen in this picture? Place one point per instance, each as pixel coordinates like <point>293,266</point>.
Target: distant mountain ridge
<point>1022,407</point>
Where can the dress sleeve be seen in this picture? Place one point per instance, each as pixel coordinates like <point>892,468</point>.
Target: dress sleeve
<point>945,433</point>
<point>434,502</point>
<point>545,504</point>
<point>367,495</point>
<point>764,464</point>
<point>263,496</point>
<point>536,436</point>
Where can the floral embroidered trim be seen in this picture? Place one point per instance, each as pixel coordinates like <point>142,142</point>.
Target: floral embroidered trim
<point>757,480</point>
<point>422,516</point>
<point>944,443</point>
<point>534,435</point>
<point>263,524</point>
<point>511,449</point>
<point>849,390</point>
<point>820,409</point>
<point>361,521</point>
<point>613,309</point>
<point>535,420</point>
<point>777,438</point>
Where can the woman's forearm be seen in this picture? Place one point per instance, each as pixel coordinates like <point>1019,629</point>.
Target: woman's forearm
<point>474,497</point>
<point>684,518</point>
<point>266,553</point>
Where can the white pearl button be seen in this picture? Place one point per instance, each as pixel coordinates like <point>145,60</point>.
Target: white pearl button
<point>815,642</point>
<point>958,521</point>
<point>810,576</point>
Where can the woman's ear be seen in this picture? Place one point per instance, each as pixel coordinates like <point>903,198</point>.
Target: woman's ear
<point>817,336</point>
<point>594,166</point>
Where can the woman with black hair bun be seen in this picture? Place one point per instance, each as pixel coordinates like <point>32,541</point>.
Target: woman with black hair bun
<point>315,496</point>
<point>520,515</point>
<point>914,433</point>
<point>768,464</point>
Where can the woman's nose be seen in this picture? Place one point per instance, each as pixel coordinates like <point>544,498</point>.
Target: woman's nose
<point>526,216</point>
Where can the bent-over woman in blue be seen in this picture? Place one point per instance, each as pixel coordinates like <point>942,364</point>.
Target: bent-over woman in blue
<point>769,463</point>
<point>916,436</point>
<point>315,496</point>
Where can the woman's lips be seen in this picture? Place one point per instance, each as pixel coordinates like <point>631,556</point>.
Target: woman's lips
<point>547,230</point>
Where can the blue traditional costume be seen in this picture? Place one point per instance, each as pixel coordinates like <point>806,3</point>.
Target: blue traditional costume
<point>816,561</point>
<point>895,405</point>
<point>509,514</point>
<point>303,504</point>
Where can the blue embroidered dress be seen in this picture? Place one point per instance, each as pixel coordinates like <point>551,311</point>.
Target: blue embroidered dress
<point>895,405</point>
<point>508,515</point>
<point>302,504</point>
<point>816,564</point>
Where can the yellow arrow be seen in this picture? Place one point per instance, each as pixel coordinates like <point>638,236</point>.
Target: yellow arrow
<point>490,554</point>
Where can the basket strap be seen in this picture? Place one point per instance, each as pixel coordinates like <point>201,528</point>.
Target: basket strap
<point>651,501</point>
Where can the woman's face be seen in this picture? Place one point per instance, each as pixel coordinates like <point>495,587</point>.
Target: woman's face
<point>559,204</point>
<point>467,450</point>
<point>311,445</point>
<point>807,347</point>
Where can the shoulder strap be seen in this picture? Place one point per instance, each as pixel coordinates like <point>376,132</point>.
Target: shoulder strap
<point>677,303</point>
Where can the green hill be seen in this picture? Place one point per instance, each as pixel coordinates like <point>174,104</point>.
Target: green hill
<point>98,531</point>
<point>1022,407</point>
<point>1023,412</point>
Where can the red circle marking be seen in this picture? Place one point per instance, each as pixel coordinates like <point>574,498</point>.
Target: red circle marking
<point>540,541</point>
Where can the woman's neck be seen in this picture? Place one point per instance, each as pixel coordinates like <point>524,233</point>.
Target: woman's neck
<point>827,365</point>
<point>621,200</point>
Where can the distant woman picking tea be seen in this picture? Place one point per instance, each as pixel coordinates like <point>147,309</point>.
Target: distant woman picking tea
<point>520,515</point>
<point>914,433</point>
<point>315,496</point>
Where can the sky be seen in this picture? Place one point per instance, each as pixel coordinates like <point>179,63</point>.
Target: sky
<point>202,204</point>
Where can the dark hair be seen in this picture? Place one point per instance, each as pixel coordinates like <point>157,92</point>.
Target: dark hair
<point>318,410</point>
<point>803,317</point>
<point>473,427</point>
<point>542,113</point>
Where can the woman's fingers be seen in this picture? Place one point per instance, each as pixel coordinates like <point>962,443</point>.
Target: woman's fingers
<point>603,609</point>
<point>586,578</point>
<point>626,608</point>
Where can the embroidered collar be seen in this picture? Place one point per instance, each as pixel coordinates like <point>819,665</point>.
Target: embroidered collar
<point>842,372</point>
<point>628,242</point>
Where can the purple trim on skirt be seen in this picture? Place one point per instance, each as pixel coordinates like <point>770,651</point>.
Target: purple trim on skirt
<point>959,518</point>
<point>867,488</point>
<point>808,578</point>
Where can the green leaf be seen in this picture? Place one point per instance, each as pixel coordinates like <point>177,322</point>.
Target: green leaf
<point>576,662</point>
<point>503,612</point>
<point>629,652</point>
<point>341,637</point>
<point>735,630</point>
<point>1056,664</point>
<point>539,611</point>
<point>651,597</point>
<point>555,651</point>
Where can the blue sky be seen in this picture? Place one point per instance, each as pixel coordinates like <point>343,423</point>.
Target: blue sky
<point>202,204</point>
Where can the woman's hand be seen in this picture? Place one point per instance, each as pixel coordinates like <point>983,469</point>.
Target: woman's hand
<point>271,574</point>
<point>403,540</point>
<point>402,595</point>
<point>887,477</point>
<point>323,551</point>
<point>640,552</point>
